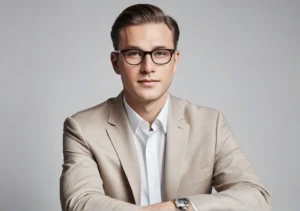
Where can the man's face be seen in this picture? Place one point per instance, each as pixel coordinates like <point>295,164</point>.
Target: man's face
<point>147,81</point>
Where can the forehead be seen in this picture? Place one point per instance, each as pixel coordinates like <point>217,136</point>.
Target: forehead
<point>146,36</point>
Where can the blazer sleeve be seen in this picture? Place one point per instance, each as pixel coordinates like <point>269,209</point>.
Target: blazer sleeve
<point>81,186</point>
<point>235,180</point>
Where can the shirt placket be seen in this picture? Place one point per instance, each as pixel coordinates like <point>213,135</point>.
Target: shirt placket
<point>152,169</point>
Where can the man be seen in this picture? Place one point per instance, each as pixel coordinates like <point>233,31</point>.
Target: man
<point>146,149</point>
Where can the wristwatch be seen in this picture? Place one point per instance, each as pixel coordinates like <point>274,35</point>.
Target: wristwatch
<point>182,203</point>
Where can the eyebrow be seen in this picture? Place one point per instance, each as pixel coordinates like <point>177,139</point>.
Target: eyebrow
<point>154,48</point>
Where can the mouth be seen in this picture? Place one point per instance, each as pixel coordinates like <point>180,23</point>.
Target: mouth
<point>149,82</point>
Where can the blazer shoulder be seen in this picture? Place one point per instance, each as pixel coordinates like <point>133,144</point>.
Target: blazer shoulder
<point>95,114</point>
<point>193,110</point>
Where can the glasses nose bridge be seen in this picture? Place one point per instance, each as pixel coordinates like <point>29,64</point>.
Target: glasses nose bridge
<point>145,54</point>
<point>147,64</point>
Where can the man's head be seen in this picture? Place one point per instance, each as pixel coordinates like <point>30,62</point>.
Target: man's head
<point>138,29</point>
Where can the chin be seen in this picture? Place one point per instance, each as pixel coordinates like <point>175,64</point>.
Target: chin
<point>145,95</point>
<point>149,96</point>
<point>145,98</point>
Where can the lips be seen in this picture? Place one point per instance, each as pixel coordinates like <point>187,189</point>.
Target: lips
<point>147,81</point>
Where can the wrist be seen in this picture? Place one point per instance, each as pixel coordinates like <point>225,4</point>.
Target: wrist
<point>164,206</point>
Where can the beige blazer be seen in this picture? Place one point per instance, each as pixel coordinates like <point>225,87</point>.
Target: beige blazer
<point>101,169</point>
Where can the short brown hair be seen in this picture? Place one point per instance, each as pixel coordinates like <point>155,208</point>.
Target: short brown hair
<point>140,14</point>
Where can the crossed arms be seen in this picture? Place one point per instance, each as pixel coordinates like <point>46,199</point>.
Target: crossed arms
<point>238,187</point>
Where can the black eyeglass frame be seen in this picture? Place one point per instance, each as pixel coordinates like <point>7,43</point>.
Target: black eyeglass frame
<point>172,51</point>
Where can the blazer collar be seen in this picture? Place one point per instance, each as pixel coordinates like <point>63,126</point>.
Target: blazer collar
<point>119,132</point>
<point>176,143</point>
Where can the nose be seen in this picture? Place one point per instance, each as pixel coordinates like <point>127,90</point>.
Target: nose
<point>148,65</point>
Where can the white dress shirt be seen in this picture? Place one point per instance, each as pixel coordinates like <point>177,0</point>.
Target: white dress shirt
<point>150,145</point>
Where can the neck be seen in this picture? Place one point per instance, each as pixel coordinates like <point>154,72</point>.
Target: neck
<point>148,110</point>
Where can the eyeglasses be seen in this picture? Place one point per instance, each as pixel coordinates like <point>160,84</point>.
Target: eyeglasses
<point>136,57</point>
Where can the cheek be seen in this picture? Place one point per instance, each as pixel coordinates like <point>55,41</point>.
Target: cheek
<point>167,73</point>
<point>129,73</point>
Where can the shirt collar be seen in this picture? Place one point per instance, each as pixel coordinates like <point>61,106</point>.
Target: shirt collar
<point>135,119</point>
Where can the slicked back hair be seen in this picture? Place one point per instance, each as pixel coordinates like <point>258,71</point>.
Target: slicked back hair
<point>139,14</point>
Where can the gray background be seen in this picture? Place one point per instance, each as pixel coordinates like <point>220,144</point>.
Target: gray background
<point>236,56</point>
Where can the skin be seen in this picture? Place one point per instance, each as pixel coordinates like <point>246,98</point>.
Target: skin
<point>147,100</point>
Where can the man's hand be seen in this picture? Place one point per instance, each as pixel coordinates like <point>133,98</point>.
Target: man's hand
<point>164,206</point>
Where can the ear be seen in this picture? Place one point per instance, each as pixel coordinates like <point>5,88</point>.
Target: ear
<point>114,61</point>
<point>176,60</point>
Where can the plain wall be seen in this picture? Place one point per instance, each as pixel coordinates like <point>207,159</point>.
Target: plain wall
<point>240,57</point>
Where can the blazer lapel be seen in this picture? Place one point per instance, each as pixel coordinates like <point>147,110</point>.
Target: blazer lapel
<point>176,141</point>
<point>119,132</point>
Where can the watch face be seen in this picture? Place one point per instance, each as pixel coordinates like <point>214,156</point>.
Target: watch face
<point>183,201</point>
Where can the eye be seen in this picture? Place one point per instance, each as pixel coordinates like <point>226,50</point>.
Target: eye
<point>160,53</point>
<point>133,53</point>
